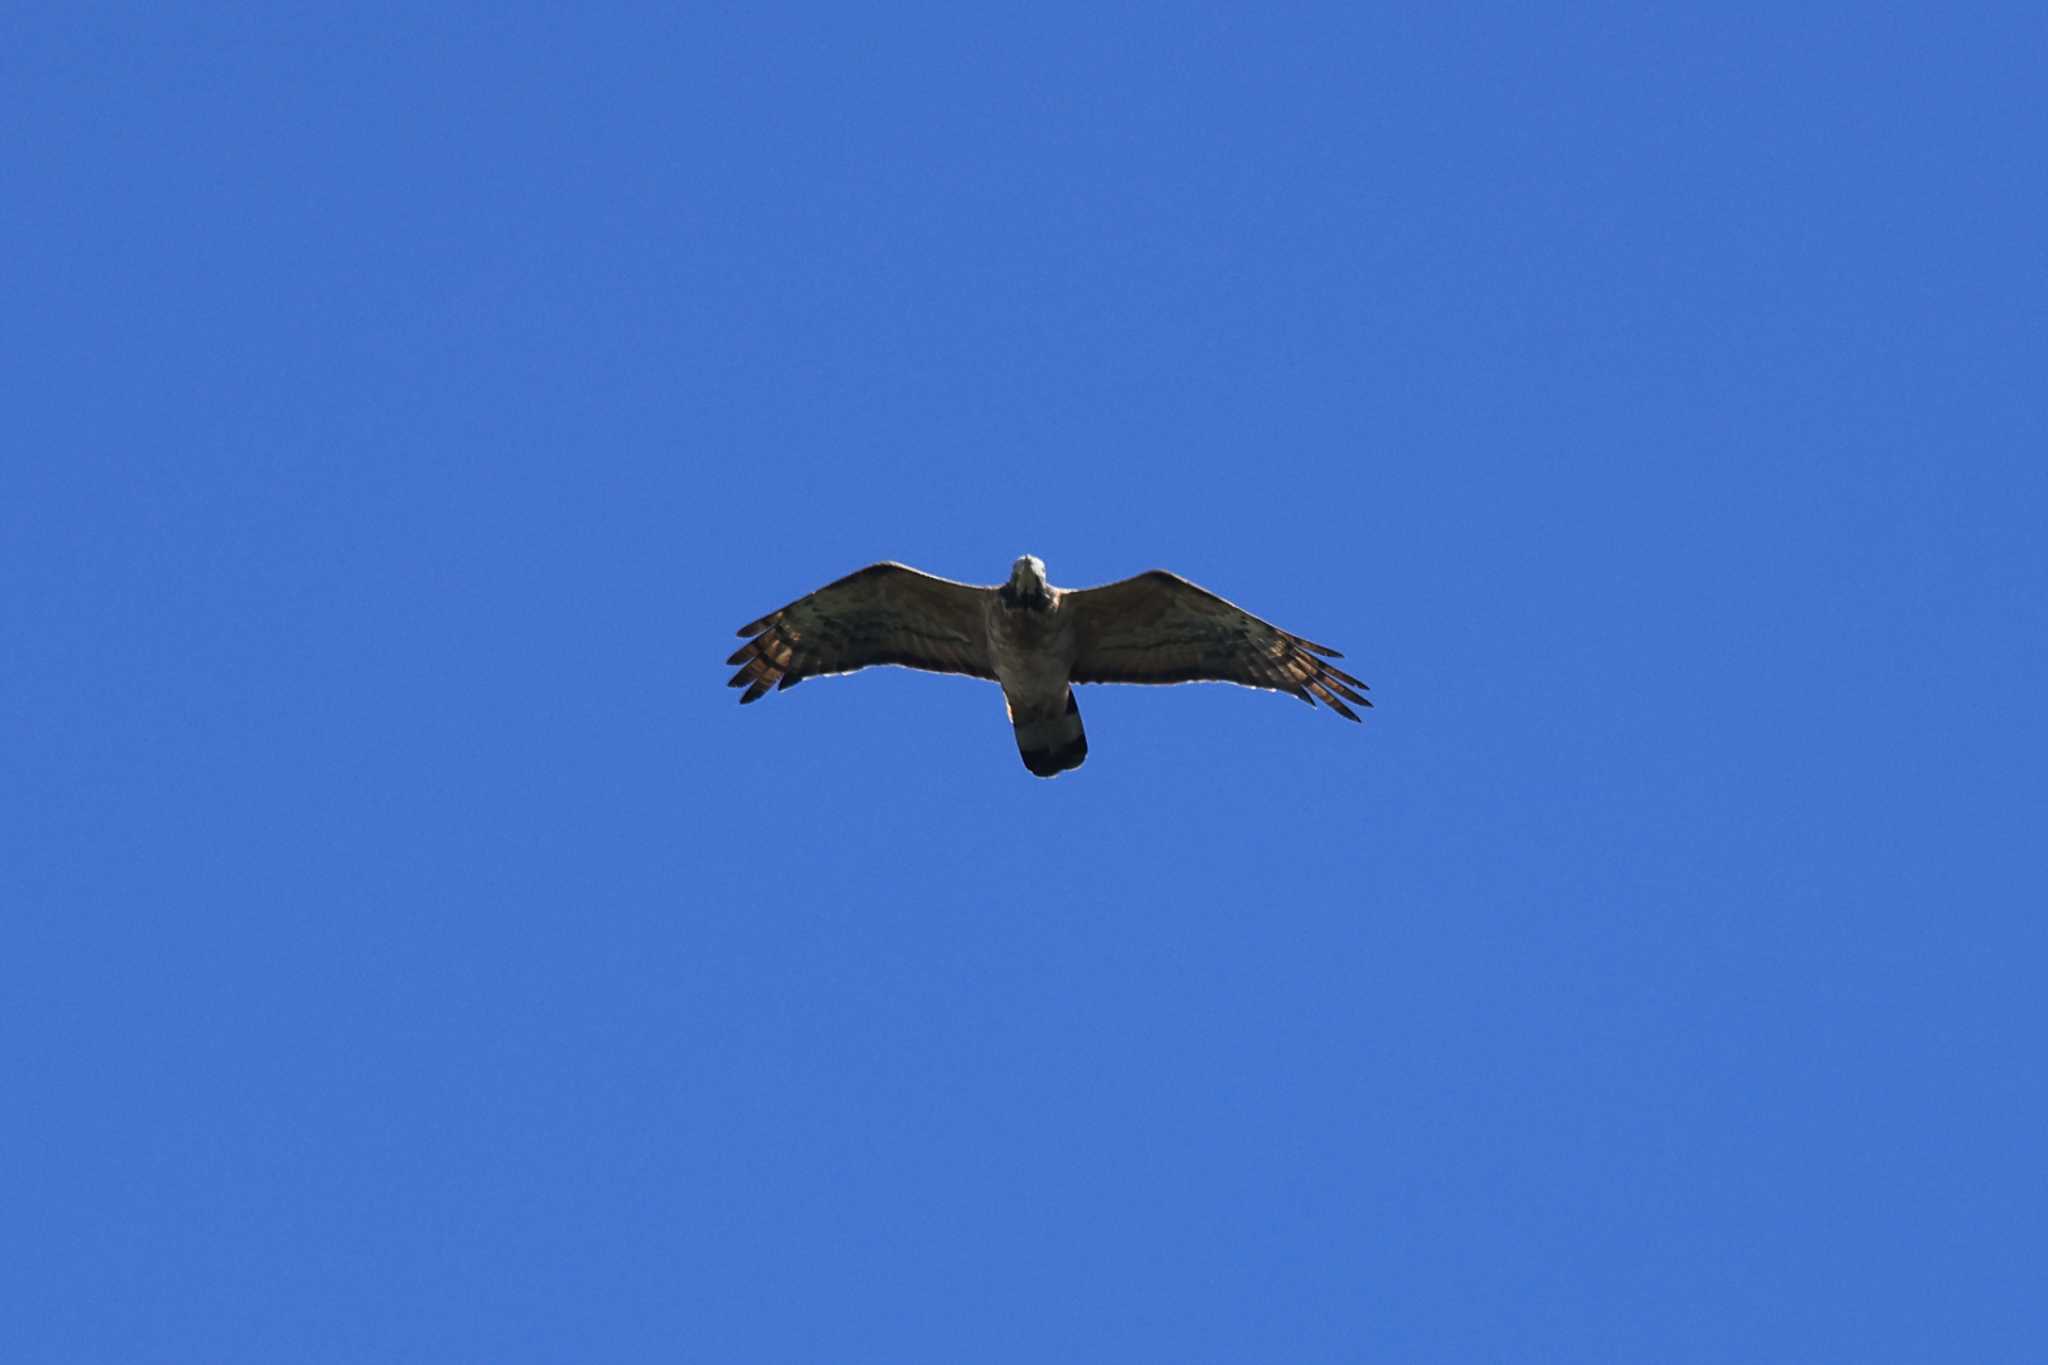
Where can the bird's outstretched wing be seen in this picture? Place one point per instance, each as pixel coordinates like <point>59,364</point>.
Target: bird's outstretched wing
<point>883,614</point>
<point>1160,628</point>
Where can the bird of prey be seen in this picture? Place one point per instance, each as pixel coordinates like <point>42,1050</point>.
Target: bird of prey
<point>1036,640</point>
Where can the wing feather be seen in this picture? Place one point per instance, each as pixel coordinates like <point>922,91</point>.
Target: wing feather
<point>1160,628</point>
<point>883,614</point>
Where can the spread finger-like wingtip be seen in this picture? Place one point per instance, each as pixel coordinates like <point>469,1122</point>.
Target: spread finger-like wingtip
<point>1330,681</point>
<point>1342,676</point>
<point>1330,699</point>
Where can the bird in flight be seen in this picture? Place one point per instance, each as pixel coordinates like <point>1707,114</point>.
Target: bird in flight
<point>1036,640</point>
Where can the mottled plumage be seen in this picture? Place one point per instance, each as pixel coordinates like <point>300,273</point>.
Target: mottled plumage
<point>1036,640</point>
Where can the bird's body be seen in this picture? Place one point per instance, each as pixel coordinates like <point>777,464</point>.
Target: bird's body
<point>1032,644</point>
<point>1036,641</point>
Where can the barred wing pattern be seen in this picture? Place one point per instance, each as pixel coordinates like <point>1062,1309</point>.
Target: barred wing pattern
<point>883,614</point>
<point>1160,628</point>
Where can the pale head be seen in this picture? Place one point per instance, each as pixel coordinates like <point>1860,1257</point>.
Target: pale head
<point>1027,576</point>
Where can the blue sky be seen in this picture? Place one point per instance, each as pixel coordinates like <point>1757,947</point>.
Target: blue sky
<point>413,954</point>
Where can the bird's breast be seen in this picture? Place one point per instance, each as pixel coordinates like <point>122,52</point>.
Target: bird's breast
<point>1026,646</point>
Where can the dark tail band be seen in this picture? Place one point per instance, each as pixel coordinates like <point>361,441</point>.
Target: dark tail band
<point>1051,744</point>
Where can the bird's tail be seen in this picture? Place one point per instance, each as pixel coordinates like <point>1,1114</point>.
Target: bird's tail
<point>1051,741</point>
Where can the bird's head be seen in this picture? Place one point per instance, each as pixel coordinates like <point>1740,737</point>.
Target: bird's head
<point>1027,586</point>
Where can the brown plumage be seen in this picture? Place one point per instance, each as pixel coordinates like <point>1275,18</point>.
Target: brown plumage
<point>883,614</point>
<point>1160,628</point>
<point>1037,640</point>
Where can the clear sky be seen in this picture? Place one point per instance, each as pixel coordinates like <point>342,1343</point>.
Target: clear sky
<point>412,953</point>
